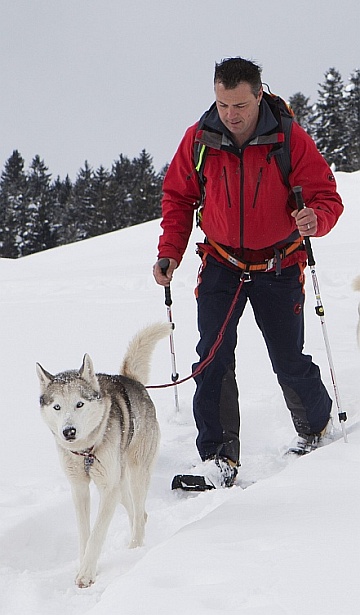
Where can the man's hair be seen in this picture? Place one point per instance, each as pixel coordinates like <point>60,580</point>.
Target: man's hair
<point>232,71</point>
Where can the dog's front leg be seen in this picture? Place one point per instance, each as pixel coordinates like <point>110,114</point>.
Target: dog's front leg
<point>87,573</point>
<point>81,498</point>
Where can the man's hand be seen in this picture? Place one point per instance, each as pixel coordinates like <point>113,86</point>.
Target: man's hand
<point>164,278</point>
<point>306,221</point>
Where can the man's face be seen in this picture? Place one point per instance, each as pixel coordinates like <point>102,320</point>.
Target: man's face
<point>238,109</point>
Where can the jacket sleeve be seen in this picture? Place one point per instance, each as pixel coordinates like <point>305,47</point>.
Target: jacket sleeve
<point>181,194</point>
<point>311,171</point>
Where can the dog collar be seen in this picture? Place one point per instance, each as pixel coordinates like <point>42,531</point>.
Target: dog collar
<point>89,458</point>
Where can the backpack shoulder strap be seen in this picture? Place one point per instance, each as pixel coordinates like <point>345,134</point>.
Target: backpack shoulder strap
<point>200,153</point>
<point>283,157</point>
<point>285,116</point>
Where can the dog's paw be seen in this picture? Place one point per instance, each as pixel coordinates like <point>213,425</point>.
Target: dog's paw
<point>133,544</point>
<point>85,579</point>
<point>137,541</point>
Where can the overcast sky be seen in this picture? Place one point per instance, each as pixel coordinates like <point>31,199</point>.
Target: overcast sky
<point>91,79</point>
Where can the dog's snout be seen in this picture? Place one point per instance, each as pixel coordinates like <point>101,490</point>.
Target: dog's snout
<point>69,433</point>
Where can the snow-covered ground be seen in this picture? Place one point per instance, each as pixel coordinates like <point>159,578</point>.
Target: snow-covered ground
<point>285,540</point>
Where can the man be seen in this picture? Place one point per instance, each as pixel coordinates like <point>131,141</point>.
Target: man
<point>249,217</point>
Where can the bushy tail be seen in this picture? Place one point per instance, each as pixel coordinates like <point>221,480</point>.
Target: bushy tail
<point>356,286</point>
<point>136,364</point>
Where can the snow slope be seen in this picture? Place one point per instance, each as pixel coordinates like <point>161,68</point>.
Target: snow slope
<point>284,541</point>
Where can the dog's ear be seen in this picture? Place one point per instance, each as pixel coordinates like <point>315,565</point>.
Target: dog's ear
<point>44,377</point>
<point>87,372</point>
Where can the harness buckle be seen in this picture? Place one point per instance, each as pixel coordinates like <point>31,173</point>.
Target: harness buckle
<point>271,263</point>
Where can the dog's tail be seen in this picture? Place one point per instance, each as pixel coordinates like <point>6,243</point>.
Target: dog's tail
<point>136,364</point>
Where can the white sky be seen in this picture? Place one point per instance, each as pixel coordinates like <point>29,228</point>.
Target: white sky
<point>90,79</point>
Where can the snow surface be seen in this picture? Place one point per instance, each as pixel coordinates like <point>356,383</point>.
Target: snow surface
<point>284,541</point>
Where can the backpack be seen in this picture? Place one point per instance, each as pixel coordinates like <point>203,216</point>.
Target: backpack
<point>283,114</point>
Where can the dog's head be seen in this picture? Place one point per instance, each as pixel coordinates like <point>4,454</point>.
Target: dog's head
<point>71,403</point>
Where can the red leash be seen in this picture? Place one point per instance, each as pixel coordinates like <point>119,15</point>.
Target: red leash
<point>212,352</point>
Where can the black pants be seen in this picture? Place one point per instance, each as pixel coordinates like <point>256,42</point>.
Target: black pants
<point>277,302</point>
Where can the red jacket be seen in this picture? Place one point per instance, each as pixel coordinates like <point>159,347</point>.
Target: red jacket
<point>247,205</point>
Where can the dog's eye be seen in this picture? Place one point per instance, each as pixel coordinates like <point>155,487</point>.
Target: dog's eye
<point>57,407</point>
<point>80,404</point>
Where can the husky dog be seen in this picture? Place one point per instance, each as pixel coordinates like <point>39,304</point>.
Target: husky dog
<point>106,430</point>
<point>356,286</point>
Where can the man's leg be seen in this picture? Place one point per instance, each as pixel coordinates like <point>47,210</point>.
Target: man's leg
<point>278,303</point>
<point>216,406</point>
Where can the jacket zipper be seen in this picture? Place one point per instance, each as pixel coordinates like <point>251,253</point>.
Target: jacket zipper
<point>227,187</point>
<point>257,187</point>
<point>241,200</point>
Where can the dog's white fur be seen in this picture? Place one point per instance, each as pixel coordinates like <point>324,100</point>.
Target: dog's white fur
<point>356,286</point>
<point>111,422</point>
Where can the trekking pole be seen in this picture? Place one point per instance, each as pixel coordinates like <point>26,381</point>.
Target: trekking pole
<point>164,264</point>
<point>319,309</point>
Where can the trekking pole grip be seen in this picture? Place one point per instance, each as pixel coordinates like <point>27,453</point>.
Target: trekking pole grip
<point>297,190</point>
<point>164,265</point>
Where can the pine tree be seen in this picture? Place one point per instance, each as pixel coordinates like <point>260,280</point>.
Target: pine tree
<point>82,203</point>
<point>98,223</point>
<point>302,110</point>
<point>330,123</point>
<point>38,233</point>
<point>121,190</point>
<point>13,187</point>
<point>352,117</point>
<point>116,195</point>
<point>146,191</point>
<point>62,218</point>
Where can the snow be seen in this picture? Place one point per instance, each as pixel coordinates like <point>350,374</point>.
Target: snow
<point>330,77</point>
<point>283,541</point>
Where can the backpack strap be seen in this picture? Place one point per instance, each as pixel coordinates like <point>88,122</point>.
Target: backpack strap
<point>282,153</point>
<point>284,116</point>
<point>200,153</point>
